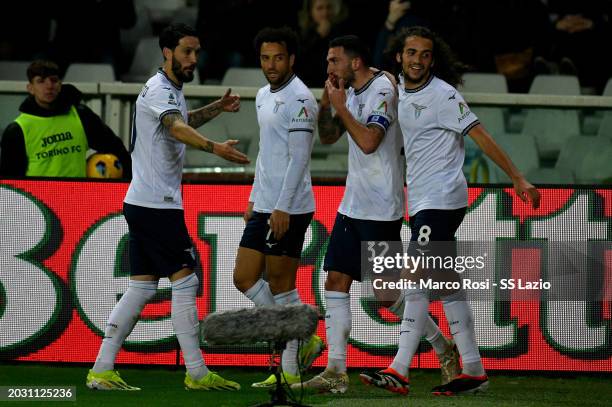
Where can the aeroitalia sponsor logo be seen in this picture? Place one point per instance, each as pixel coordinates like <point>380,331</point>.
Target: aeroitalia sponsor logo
<point>382,106</point>
<point>464,112</point>
<point>302,116</point>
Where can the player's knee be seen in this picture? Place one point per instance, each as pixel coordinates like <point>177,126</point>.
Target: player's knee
<point>280,286</point>
<point>336,281</point>
<point>243,283</point>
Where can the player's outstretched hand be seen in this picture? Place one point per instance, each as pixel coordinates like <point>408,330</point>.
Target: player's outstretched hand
<point>227,151</point>
<point>527,192</point>
<point>230,102</point>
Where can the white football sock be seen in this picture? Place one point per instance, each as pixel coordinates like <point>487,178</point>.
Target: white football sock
<point>260,293</point>
<point>411,330</point>
<point>431,330</point>
<point>185,324</point>
<point>122,320</point>
<point>434,336</point>
<point>461,323</point>
<point>289,358</point>
<point>338,327</point>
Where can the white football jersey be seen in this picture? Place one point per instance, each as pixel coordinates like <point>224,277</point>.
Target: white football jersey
<point>287,110</point>
<point>375,182</point>
<point>434,118</point>
<point>157,157</point>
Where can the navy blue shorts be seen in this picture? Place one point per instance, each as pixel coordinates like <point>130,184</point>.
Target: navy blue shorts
<point>257,235</point>
<point>437,225</point>
<point>344,248</point>
<point>433,235</point>
<point>159,244</point>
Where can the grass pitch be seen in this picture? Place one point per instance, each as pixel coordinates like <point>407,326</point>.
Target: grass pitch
<point>164,387</point>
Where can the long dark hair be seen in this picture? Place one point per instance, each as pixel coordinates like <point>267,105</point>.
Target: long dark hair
<point>446,67</point>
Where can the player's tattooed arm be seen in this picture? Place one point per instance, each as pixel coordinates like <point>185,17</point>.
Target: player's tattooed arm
<point>208,146</point>
<point>198,117</point>
<point>185,133</point>
<point>330,127</point>
<point>227,103</point>
<point>172,119</point>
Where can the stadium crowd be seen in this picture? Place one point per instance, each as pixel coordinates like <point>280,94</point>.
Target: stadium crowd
<point>518,38</point>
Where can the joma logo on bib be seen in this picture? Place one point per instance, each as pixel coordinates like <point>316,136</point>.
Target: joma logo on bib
<point>55,138</point>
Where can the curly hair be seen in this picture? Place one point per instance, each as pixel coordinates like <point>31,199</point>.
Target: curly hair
<point>280,35</point>
<point>447,67</point>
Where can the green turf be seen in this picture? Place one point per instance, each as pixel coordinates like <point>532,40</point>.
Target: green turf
<point>162,387</point>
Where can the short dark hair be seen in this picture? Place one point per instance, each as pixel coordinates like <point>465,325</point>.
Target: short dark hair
<point>42,68</point>
<point>447,67</point>
<point>172,34</point>
<point>353,46</point>
<point>282,35</point>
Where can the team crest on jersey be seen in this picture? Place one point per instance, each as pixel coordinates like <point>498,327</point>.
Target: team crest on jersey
<point>417,110</point>
<point>278,104</point>
<point>464,111</point>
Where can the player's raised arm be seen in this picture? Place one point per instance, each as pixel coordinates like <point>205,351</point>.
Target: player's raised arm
<point>186,134</point>
<point>523,188</point>
<point>368,137</point>
<point>227,103</point>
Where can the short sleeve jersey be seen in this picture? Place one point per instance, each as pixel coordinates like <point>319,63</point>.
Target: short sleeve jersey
<point>434,118</point>
<point>157,157</point>
<point>281,113</point>
<point>375,182</point>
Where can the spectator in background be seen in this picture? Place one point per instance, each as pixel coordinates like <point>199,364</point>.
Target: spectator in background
<point>52,134</point>
<point>366,17</point>
<point>401,14</point>
<point>456,21</point>
<point>579,31</point>
<point>94,36</point>
<point>513,40</point>
<point>320,21</point>
<point>222,50</point>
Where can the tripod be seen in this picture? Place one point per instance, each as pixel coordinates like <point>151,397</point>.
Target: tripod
<point>278,395</point>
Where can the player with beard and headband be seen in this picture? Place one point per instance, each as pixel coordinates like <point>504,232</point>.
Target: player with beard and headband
<point>372,208</point>
<point>159,244</point>
<point>434,118</point>
<point>281,204</point>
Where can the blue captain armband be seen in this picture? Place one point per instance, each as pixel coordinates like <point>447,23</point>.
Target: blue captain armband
<point>379,120</point>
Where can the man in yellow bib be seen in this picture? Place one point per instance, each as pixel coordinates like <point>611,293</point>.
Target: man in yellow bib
<point>51,136</point>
